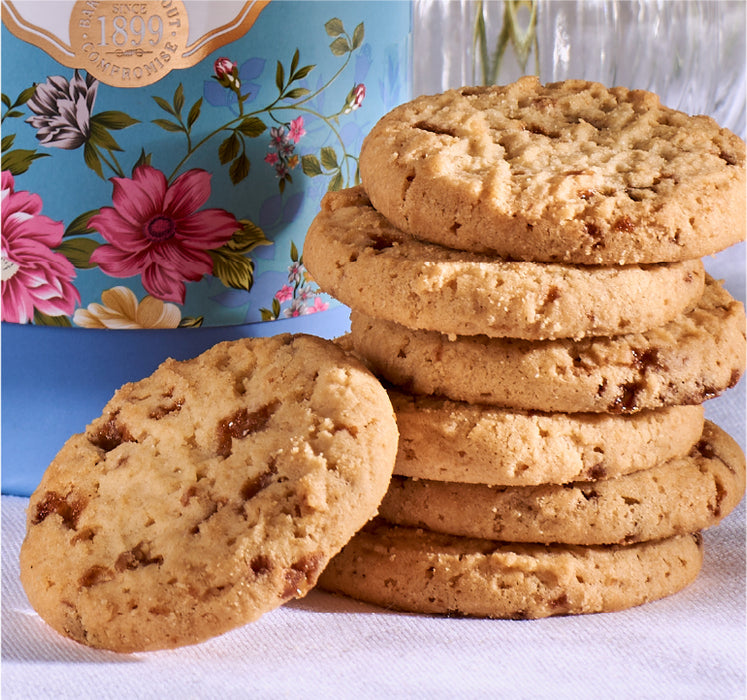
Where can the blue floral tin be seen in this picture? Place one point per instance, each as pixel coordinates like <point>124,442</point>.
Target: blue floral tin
<point>161,163</point>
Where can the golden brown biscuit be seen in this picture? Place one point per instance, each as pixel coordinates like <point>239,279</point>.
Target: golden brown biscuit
<point>693,358</point>
<point>426,572</point>
<point>682,495</point>
<point>358,257</point>
<point>208,493</point>
<point>564,172</point>
<point>447,440</point>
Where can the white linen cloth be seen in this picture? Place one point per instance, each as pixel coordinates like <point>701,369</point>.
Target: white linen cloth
<point>690,645</point>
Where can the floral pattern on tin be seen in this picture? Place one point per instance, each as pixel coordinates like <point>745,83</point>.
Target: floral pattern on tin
<point>157,228</point>
<point>36,280</point>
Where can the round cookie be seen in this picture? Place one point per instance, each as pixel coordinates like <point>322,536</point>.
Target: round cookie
<point>683,495</point>
<point>208,493</point>
<point>357,256</point>
<point>447,440</point>
<point>426,572</point>
<point>695,357</point>
<point>564,172</point>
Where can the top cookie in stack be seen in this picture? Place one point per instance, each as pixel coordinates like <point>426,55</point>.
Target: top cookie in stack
<point>528,256</point>
<point>565,172</point>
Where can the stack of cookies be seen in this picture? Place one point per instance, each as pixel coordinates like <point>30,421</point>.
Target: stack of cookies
<point>523,265</point>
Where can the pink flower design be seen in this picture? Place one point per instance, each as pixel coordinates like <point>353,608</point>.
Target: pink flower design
<point>33,275</point>
<point>154,230</point>
<point>227,73</point>
<point>355,98</point>
<point>271,158</point>
<point>223,66</point>
<point>318,305</point>
<point>285,293</point>
<point>296,130</point>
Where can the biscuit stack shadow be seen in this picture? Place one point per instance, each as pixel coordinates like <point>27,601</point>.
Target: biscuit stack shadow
<point>553,454</point>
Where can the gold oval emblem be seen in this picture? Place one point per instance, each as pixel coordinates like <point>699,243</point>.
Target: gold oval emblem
<point>129,44</point>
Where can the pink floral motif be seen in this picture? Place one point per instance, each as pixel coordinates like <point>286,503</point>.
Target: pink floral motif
<point>281,155</point>
<point>227,72</point>
<point>33,275</point>
<point>285,293</point>
<point>296,130</point>
<point>154,230</point>
<point>355,98</point>
<point>318,305</point>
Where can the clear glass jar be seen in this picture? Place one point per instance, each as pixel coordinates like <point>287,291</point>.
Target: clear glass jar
<point>690,52</point>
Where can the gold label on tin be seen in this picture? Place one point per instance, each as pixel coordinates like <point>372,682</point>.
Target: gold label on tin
<point>129,44</point>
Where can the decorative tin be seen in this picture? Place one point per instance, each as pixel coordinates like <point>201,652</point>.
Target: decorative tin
<point>161,163</point>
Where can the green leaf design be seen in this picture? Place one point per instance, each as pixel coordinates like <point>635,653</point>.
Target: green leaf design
<point>194,112</point>
<point>234,270</point>
<point>294,252</point>
<point>78,251</point>
<point>294,62</point>
<point>7,143</point>
<point>248,237</point>
<point>296,92</point>
<point>229,149</point>
<point>114,119</point>
<point>191,322</point>
<point>6,100</point>
<point>252,127</point>
<point>302,72</point>
<point>271,314</point>
<point>79,225</point>
<point>334,27</point>
<point>279,76</point>
<point>239,169</point>
<point>335,183</point>
<point>340,46</point>
<point>19,160</point>
<point>165,106</point>
<point>100,136</point>
<point>358,36</point>
<point>13,113</point>
<point>329,158</point>
<point>92,160</point>
<point>25,96</point>
<point>167,125</point>
<point>143,159</point>
<point>310,165</point>
<point>41,319</point>
<point>178,99</point>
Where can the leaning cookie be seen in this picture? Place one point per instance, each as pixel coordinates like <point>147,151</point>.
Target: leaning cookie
<point>447,440</point>
<point>693,358</point>
<point>420,571</point>
<point>208,493</point>
<point>683,495</point>
<point>358,257</point>
<point>564,172</point>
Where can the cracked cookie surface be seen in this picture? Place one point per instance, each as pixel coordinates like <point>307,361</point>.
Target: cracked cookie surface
<point>420,571</point>
<point>208,493</point>
<point>564,172</point>
<point>445,440</point>
<point>357,256</point>
<point>683,495</point>
<point>695,357</point>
